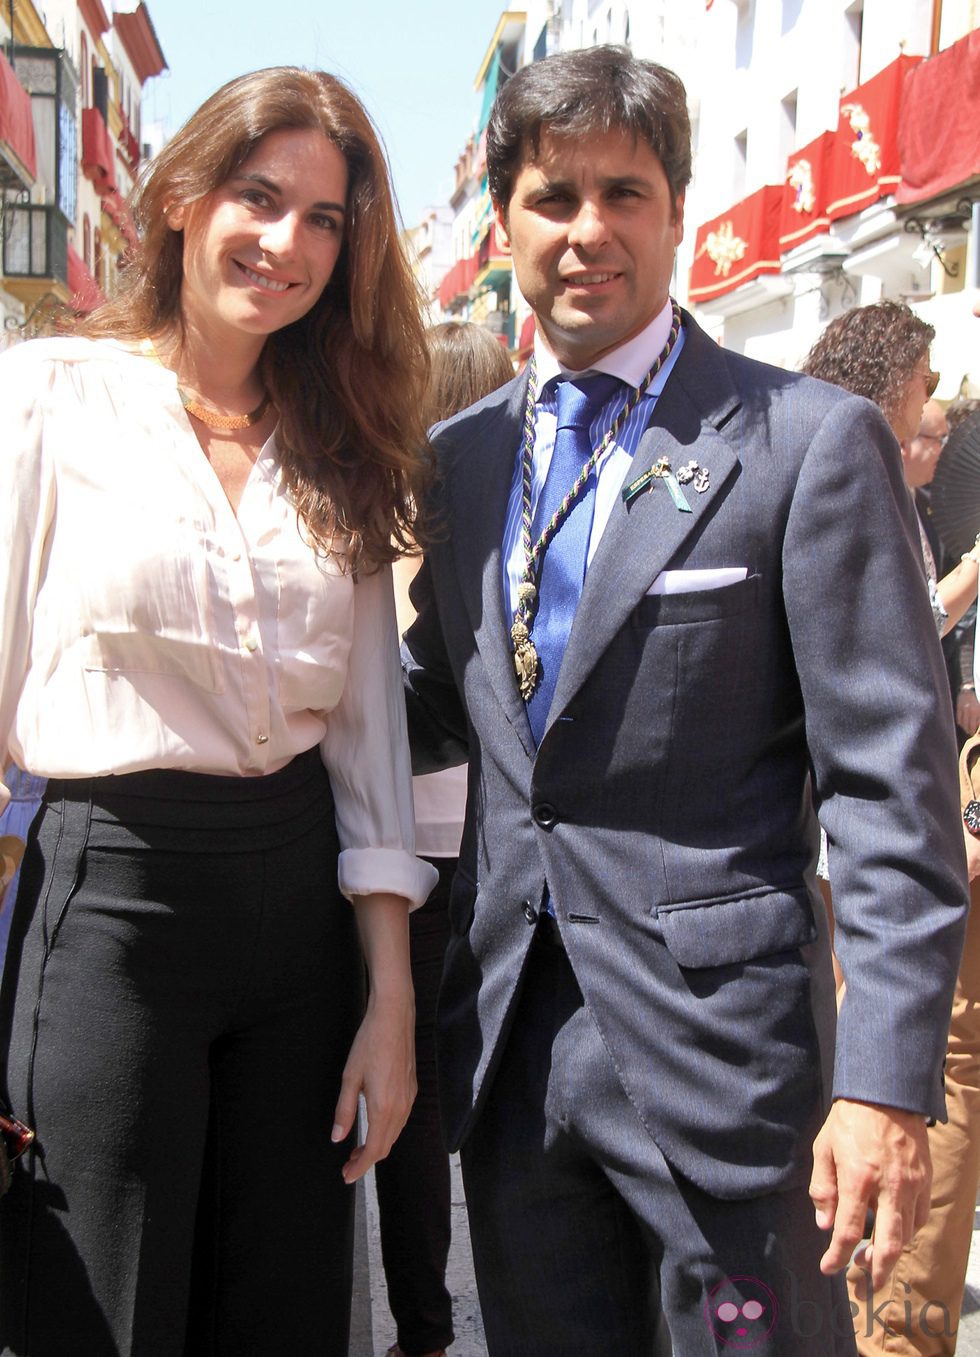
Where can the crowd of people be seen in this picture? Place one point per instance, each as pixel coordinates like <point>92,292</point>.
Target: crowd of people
<point>676,612</point>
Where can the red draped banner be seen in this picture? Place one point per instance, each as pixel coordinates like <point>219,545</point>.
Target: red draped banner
<point>938,132</point>
<point>865,162</point>
<point>738,245</point>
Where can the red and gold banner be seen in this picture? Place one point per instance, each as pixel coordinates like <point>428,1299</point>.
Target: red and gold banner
<point>804,212</point>
<point>865,162</point>
<point>937,129</point>
<point>737,245</point>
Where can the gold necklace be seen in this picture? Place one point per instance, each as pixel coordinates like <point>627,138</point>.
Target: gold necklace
<point>226,423</point>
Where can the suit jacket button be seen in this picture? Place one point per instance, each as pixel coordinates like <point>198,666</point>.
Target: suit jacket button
<point>527,909</point>
<point>544,815</point>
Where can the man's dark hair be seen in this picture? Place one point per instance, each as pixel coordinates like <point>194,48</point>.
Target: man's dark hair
<point>597,89</point>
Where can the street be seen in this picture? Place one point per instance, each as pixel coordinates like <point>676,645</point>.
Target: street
<point>372,1330</point>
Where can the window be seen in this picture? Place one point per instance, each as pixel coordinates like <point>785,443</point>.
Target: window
<point>790,15</point>
<point>744,28</point>
<point>740,162</point>
<point>852,39</point>
<point>83,69</point>
<point>787,129</point>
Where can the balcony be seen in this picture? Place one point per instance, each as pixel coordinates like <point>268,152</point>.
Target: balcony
<point>35,253</point>
<point>493,263</point>
<point>18,158</point>
<point>98,160</point>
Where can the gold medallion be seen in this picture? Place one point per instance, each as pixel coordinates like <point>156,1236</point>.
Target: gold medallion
<point>525,658</point>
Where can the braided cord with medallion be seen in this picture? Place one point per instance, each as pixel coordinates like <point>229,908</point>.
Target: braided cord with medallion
<point>526,661</point>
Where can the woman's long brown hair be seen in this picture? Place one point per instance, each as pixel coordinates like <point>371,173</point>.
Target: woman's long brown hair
<point>348,377</point>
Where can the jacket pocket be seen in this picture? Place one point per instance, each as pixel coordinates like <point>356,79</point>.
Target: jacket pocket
<point>702,605</point>
<point>724,932</point>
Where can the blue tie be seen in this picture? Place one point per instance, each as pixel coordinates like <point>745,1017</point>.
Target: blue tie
<point>563,569</point>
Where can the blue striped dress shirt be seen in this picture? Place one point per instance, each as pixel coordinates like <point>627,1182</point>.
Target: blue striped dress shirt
<point>630,362</point>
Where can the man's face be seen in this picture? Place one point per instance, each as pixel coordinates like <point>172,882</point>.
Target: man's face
<point>592,228</point>
<point>921,454</point>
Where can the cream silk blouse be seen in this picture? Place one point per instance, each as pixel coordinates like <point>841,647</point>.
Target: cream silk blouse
<point>144,625</point>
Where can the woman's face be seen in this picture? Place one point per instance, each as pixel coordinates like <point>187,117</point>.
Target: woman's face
<point>260,249</point>
<point>905,420</point>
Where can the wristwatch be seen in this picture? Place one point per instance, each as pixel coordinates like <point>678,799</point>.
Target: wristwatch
<point>971,817</point>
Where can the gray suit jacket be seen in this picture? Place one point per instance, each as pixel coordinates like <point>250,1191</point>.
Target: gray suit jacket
<point>670,806</point>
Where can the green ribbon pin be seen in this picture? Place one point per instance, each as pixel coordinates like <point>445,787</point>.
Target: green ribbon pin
<point>660,471</point>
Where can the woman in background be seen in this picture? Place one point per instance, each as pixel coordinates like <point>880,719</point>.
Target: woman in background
<point>882,352</point>
<point>199,501</point>
<point>413,1182</point>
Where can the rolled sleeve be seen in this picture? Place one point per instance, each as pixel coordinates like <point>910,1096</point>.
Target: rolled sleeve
<point>365,750</point>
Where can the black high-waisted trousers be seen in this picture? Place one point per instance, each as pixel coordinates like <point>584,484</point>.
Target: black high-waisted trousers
<point>182,986</point>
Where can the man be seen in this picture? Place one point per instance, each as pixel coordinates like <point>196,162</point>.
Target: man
<point>636,1017</point>
<point>920,455</point>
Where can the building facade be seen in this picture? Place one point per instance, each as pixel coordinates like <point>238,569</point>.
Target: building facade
<point>65,226</point>
<point>837,161</point>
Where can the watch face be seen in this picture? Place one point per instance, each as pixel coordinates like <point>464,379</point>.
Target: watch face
<point>971,816</point>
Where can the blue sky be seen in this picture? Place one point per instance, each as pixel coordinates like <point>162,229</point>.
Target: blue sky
<point>412,65</point>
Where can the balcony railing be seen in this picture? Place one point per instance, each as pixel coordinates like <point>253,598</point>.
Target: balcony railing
<point>35,243</point>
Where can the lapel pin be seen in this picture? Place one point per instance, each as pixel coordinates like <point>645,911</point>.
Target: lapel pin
<point>702,481</point>
<point>687,472</point>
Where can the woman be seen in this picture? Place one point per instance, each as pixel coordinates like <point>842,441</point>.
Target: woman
<point>413,1183</point>
<point>881,351</point>
<point>199,500</point>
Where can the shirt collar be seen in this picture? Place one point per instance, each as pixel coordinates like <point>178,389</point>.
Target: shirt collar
<point>630,362</point>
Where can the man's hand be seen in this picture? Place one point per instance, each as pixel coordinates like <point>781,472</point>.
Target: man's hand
<point>870,1156</point>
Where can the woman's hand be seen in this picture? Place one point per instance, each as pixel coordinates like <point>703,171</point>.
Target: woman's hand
<point>381,1064</point>
<point>11,853</point>
<point>967,711</point>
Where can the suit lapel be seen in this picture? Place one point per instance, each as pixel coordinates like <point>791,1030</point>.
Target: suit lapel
<point>481,481</point>
<point>640,541</point>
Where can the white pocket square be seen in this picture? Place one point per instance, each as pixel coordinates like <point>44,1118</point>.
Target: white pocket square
<point>690,581</point>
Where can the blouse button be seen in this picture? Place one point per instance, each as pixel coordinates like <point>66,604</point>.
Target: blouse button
<point>261,739</point>
<point>251,644</point>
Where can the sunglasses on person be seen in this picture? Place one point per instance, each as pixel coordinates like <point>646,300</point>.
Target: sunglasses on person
<point>932,381</point>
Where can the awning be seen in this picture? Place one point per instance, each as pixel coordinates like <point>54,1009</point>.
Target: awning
<point>85,293</point>
<point>457,281</point>
<point>865,163</point>
<point>98,160</point>
<point>737,245</point>
<point>804,212</point>
<point>17,149</point>
<point>938,127</point>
